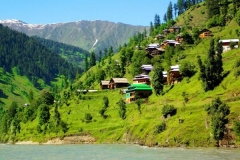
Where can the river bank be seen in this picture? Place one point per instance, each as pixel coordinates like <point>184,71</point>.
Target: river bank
<point>86,139</point>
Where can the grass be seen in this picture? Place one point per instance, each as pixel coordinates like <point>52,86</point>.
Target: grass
<point>141,128</point>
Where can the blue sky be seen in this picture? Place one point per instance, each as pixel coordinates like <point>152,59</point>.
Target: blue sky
<point>135,12</point>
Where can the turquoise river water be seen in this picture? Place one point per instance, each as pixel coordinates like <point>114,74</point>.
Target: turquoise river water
<point>112,152</point>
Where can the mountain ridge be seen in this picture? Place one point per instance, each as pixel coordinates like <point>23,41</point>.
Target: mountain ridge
<point>82,33</point>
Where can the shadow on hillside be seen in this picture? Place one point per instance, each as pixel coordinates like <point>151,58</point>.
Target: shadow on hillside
<point>225,74</point>
<point>169,88</point>
<point>2,94</point>
<point>15,94</point>
<point>3,82</point>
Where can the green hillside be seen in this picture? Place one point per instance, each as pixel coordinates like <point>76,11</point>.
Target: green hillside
<point>72,54</point>
<point>195,123</point>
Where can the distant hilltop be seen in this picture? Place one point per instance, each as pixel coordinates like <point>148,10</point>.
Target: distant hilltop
<point>84,34</point>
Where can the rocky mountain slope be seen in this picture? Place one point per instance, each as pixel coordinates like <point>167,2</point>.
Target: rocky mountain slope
<point>84,34</point>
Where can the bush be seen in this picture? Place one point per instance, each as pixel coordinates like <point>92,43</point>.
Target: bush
<point>238,18</point>
<point>237,72</point>
<point>160,128</point>
<point>168,109</point>
<point>216,21</point>
<point>187,69</point>
<point>236,128</point>
<point>88,117</point>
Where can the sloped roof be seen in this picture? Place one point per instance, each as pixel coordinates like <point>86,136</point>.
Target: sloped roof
<point>147,67</point>
<point>139,87</point>
<point>120,80</point>
<point>104,82</point>
<point>229,40</point>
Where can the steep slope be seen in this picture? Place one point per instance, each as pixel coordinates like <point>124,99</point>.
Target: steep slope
<point>72,54</point>
<point>82,34</point>
<point>31,58</point>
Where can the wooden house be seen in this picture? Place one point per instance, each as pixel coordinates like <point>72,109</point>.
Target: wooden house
<point>205,33</point>
<point>154,49</point>
<point>104,84</point>
<point>142,78</point>
<point>159,36</point>
<point>166,31</point>
<point>173,43</point>
<point>175,75</point>
<point>137,91</point>
<point>164,76</point>
<point>179,38</point>
<point>175,29</point>
<point>226,44</point>
<point>146,68</point>
<point>118,83</point>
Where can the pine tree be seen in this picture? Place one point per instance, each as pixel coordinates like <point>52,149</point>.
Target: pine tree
<point>175,9</point>
<point>151,29</point>
<point>180,5</point>
<point>86,63</point>
<point>219,64</point>
<point>92,59</point>
<point>100,56</point>
<point>213,7</point>
<point>157,79</point>
<point>170,11</point>
<point>211,72</point>
<point>165,18</point>
<point>157,22</point>
<point>110,51</point>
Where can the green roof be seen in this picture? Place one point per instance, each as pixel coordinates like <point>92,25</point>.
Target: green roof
<point>139,87</point>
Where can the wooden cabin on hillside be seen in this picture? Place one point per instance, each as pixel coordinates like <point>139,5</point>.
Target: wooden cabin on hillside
<point>118,83</point>
<point>205,33</point>
<point>159,36</point>
<point>179,38</point>
<point>146,68</point>
<point>104,84</point>
<point>137,91</point>
<point>173,43</point>
<point>175,29</point>
<point>175,75</point>
<point>142,78</point>
<point>226,44</point>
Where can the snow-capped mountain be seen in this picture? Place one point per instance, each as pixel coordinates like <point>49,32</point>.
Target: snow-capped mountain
<point>84,34</point>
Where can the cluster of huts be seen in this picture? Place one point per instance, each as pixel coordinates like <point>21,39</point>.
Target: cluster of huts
<point>141,87</point>
<point>157,49</point>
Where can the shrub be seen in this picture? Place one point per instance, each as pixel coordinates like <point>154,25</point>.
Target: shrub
<point>218,112</point>
<point>88,117</point>
<point>236,128</point>
<point>237,72</point>
<point>160,128</point>
<point>168,109</point>
<point>187,69</point>
<point>238,18</point>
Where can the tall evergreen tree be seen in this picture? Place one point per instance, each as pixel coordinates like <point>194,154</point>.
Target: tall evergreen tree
<point>165,18</point>
<point>157,22</point>
<point>170,11</point>
<point>110,51</point>
<point>151,29</point>
<point>175,7</point>
<point>219,63</point>
<point>86,63</point>
<point>157,79</point>
<point>180,4</point>
<point>105,52</point>
<point>100,55</point>
<point>213,7</point>
<point>211,72</point>
<point>92,59</point>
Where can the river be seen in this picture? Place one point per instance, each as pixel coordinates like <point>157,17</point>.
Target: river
<point>112,152</point>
